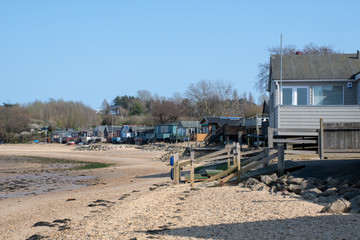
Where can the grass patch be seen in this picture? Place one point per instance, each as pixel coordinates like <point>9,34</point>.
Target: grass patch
<point>92,165</point>
<point>81,165</point>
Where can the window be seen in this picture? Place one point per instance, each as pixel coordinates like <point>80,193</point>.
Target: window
<point>358,93</point>
<point>328,95</point>
<point>295,96</point>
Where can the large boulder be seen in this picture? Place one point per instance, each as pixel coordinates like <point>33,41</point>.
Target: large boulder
<point>295,181</point>
<point>343,189</point>
<point>355,203</point>
<point>267,179</point>
<point>251,182</point>
<point>330,192</point>
<point>294,188</point>
<point>328,199</point>
<point>339,206</point>
<point>351,193</point>
<point>311,194</point>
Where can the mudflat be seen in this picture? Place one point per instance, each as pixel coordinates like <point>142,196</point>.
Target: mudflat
<point>32,191</point>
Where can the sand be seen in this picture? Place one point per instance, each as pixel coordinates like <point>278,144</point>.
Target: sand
<point>134,199</point>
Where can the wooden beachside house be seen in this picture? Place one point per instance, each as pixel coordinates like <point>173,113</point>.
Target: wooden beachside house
<point>142,134</point>
<point>220,129</point>
<point>305,88</point>
<point>164,132</point>
<point>187,130</point>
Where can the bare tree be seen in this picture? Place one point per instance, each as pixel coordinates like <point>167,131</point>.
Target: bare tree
<point>212,98</point>
<point>263,75</point>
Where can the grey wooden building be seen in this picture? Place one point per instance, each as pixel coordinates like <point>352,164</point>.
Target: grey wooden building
<point>305,88</point>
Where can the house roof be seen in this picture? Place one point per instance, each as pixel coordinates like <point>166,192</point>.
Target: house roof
<point>190,124</point>
<point>231,121</point>
<point>113,128</point>
<point>141,129</point>
<point>100,128</point>
<point>169,124</point>
<point>315,67</point>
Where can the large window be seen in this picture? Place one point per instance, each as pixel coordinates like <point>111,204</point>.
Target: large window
<point>328,95</point>
<point>295,96</point>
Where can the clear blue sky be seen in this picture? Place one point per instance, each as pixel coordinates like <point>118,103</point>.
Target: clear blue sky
<point>89,51</point>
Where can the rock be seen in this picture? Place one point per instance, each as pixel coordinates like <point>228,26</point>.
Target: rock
<point>273,190</point>
<point>295,181</point>
<point>351,193</point>
<point>266,179</point>
<point>355,203</point>
<point>263,189</point>
<point>322,187</point>
<point>339,206</point>
<point>311,192</point>
<point>306,184</point>
<point>314,181</point>
<point>258,186</point>
<point>328,179</point>
<point>330,192</point>
<point>308,195</point>
<point>343,189</point>
<point>333,182</point>
<point>251,182</point>
<point>294,188</point>
<point>281,187</point>
<point>357,185</point>
<point>323,199</point>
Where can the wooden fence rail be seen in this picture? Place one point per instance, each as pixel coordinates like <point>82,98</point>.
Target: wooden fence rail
<point>233,171</point>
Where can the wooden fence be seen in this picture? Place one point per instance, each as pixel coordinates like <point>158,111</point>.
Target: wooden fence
<point>234,170</point>
<point>332,139</point>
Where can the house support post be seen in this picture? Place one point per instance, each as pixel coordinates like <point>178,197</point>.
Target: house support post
<point>321,139</point>
<point>192,170</point>
<point>281,160</point>
<point>270,137</point>
<point>257,131</point>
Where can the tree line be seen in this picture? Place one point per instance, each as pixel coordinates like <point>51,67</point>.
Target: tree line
<point>205,98</point>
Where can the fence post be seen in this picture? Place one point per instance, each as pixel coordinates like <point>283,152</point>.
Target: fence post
<point>192,170</point>
<point>176,169</point>
<point>238,160</point>
<point>270,137</point>
<point>281,160</point>
<point>321,139</point>
<point>240,139</point>
<point>228,147</point>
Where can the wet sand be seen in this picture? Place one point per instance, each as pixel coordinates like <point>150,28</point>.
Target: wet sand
<point>133,169</point>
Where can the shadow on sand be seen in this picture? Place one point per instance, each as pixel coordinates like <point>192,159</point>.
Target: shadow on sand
<point>321,227</point>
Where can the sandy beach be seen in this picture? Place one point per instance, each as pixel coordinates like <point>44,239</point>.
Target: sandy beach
<point>134,199</point>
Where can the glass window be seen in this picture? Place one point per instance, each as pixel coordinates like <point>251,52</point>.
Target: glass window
<point>328,95</point>
<point>287,96</point>
<point>302,96</point>
<point>295,96</point>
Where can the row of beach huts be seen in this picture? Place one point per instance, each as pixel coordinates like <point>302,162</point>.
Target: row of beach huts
<point>208,130</point>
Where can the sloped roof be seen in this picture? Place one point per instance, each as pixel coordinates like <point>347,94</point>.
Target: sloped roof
<point>231,121</point>
<point>190,124</point>
<point>315,67</point>
<point>141,128</point>
<point>169,124</point>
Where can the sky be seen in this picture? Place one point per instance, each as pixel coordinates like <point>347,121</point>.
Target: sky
<point>88,51</point>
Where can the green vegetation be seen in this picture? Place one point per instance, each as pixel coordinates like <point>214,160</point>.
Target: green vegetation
<point>81,165</point>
